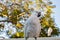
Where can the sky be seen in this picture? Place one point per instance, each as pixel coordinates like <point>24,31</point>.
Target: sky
<point>56,15</point>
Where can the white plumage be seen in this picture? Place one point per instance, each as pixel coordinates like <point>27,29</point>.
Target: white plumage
<point>32,26</point>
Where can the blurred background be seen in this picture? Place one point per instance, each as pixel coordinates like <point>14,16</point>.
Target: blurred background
<point>14,13</point>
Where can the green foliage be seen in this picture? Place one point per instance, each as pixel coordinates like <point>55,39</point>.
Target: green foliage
<point>46,21</point>
<point>17,35</point>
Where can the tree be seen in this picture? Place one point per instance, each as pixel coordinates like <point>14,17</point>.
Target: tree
<point>17,12</point>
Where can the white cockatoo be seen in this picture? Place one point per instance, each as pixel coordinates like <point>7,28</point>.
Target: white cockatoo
<point>32,27</point>
<point>49,31</point>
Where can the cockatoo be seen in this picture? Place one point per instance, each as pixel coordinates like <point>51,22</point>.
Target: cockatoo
<point>32,27</point>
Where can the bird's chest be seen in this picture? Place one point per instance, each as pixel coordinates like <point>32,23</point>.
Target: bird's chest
<point>31,28</point>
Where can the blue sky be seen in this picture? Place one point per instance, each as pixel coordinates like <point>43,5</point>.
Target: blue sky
<point>56,15</point>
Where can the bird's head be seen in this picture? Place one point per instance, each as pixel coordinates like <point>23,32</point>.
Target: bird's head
<point>36,13</point>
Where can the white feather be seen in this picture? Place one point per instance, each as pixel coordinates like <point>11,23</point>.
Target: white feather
<point>32,26</point>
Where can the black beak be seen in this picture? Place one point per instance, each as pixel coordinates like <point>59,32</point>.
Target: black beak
<point>39,14</point>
